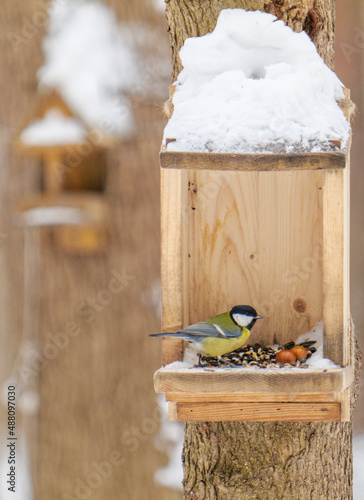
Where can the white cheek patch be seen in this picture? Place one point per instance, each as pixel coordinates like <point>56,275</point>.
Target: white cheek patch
<point>242,319</point>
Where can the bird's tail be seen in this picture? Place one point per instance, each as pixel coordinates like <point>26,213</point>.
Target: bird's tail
<point>175,334</point>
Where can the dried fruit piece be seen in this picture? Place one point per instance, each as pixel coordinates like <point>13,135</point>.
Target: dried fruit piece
<point>285,356</point>
<point>300,352</point>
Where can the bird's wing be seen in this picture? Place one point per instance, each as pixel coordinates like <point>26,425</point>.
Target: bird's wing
<point>219,326</point>
<point>226,324</point>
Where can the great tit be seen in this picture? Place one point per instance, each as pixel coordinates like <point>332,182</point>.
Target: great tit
<point>220,334</point>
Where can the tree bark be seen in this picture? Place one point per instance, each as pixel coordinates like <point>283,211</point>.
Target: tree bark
<point>228,460</point>
<point>267,461</point>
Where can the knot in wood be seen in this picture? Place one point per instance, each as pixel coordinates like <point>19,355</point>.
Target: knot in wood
<point>300,305</point>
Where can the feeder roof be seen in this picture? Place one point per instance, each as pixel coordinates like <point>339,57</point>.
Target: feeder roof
<point>254,85</point>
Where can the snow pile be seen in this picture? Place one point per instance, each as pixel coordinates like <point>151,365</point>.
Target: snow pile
<point>358,452</point>
<point>254,85</point>
<point>54,129</point>
<point>90,60</point>
<point>170,440</point>
<point>317,360</point>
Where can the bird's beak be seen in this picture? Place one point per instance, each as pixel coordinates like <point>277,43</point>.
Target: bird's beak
<point>258,316</point>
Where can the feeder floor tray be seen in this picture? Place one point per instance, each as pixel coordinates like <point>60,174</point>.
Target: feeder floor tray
<point>258,394</point>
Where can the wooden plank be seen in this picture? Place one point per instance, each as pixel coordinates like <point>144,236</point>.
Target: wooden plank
<point>171,262</point>
<point>258,412</point>
<point>335,272</point>
<point>348,340</point>
<point>172,411</point>
<point>252,162</point>
<point>256,238</point>
<point>344,399</point>
<point>253,381</point>
<point>236,397</point>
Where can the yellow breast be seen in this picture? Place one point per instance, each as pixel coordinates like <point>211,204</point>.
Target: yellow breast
<point>216,346</point>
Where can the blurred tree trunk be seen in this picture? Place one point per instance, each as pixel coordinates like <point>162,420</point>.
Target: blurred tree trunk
<point>228,460</point>
<point>93,435</point>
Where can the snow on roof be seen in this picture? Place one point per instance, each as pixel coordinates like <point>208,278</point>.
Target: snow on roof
<point>54,129</point>
<point>254,85</point>
<point>90,60</point>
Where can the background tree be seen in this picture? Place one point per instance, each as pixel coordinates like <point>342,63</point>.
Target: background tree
<point>96,394</point>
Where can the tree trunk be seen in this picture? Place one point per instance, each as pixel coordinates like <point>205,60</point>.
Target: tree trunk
<point>228,460</point>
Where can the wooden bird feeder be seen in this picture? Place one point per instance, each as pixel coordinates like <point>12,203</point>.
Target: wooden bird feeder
<point>271,231</point>
<point>73,173</point>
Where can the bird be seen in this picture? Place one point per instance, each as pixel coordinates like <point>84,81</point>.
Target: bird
<point>220,334</point>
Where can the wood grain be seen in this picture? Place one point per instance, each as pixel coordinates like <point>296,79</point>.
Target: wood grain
<point>257,412</point>
<point>236,397</point>
<point>171,262</point>
<point>334,290</point>
<point>252,162</point>
<point>255,238</point>
<point>264,381</point>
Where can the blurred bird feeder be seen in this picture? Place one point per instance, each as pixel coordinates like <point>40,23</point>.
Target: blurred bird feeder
<point>73,170</point>
<point>266,226</point>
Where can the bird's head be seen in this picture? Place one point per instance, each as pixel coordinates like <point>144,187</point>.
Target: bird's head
<point>244,316</point>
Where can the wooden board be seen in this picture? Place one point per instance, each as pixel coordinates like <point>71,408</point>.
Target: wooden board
<point>252,162</point>
<point>239,397</point>
<point>335,267</point>
<point>256,238</point>
<point>257,412</point>
<point>262,381</point>
<point>172,220</point>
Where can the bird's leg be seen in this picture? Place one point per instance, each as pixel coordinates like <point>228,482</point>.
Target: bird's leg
<point>199,359</point>
<point>226,362</point>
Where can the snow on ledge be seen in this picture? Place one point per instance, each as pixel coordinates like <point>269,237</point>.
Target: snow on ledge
<point>52,216</point>
<point>254,85</point>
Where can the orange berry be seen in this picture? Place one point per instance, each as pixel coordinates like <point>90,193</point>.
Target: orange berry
<point>300,352</point>
<point>285,356</point>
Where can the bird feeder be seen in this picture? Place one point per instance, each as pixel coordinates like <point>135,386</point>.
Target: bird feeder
<point>266,229</point>
<point>73,172</point>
